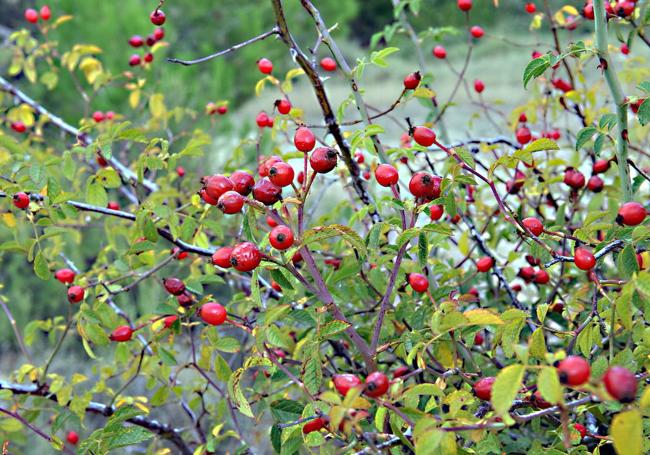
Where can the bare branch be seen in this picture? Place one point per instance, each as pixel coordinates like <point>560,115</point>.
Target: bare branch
<point>273,31</point>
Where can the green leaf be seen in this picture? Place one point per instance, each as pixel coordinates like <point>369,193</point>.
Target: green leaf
<point>584,135</point>
<point>41,267</point>
<point>312,374</point>
<point>423,249</point>
<point>278,277</point>
<point>286,410</point>
<point>506,387</point>
<point>255,289</point>
<point>549,385</point>
<point>276,438</point>
<point>333,328</point>
<point>129,436</point>
<point>627,263</point>
<point>627,433</point>
<point>108,178</point>
<point>321,233</point>
<point>540,145</point>
<point>227,344</point>
<point>378,57</point>
<point>536,68</point>
<point>96,195</point>
<point>644,112</point>
<point>466,156</point>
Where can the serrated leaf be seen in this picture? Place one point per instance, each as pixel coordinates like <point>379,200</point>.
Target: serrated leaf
<point>423,249</point>
<point>536,68</point>
<point>312,374</point>
<point>286,410</point>
<point>505,388</point>
<point>584,135</point>
<point>333,328</point>
<point>128,436</point>
<point>466,156</point>
<point>96,195</point>
<point>482,316</point>
<point>320,233</point>
<point>541,145</point>
<point>378,57</point>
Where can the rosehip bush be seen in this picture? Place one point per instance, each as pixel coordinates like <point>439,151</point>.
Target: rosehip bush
<point>333,287</point>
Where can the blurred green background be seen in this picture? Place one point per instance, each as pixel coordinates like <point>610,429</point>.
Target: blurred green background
<point>195,29</point>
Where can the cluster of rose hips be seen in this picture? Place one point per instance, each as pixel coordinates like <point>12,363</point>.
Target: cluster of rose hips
<point>32,16</point>
<point>574,371</point>
<point>283,106</point>
<point>157,18</point>
<point>99,116</point>
<point>621,8</point>
<point>213,108</point>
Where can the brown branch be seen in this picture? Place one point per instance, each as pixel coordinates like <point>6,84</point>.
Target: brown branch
<point>126,173</point>
<point>328,112</point>
<point>32,427</point>
<point>162,429</point>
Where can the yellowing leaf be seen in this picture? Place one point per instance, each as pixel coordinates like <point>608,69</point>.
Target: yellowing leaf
<point>294,73</point>
<point>134,98</point>
<point>506,387</point>
<point>627,433</point>
<point>569,9</point>
<point>9,219</point>
<point>157,105</point>
<point>423,92</point>
<point>92,68</point>
<point>259,86</point>
<point>537,344</point>
<point>482,316</point>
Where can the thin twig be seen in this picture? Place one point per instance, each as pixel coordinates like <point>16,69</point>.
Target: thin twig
<point>273,31</point>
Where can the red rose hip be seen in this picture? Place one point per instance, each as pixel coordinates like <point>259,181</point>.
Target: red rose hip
<point>574,371</point>
<point>621,384</point>
<point>21,200</point>
<point>584,259</point>
<point>304,139</point>
<point>483,388</point>
<point>121,334</point>
<point>376,384</point>
<point>230,202</point>
<point>65,276</point>
<point>484,264</point>
<point>245,257</point>
<point>386,175</point>
<point>76,294</point>
<point>424,136</point>
<point>631,214</point>
<point>344,382</point>
<point>157,17</point>
<point>323,160</point>
<point>174,286</point>
<point>418,282</point>
<point>533,225</point>
<point>412,81</point>
<point>265,66</point>
<point>213,313</point>
<point>281,237</point>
